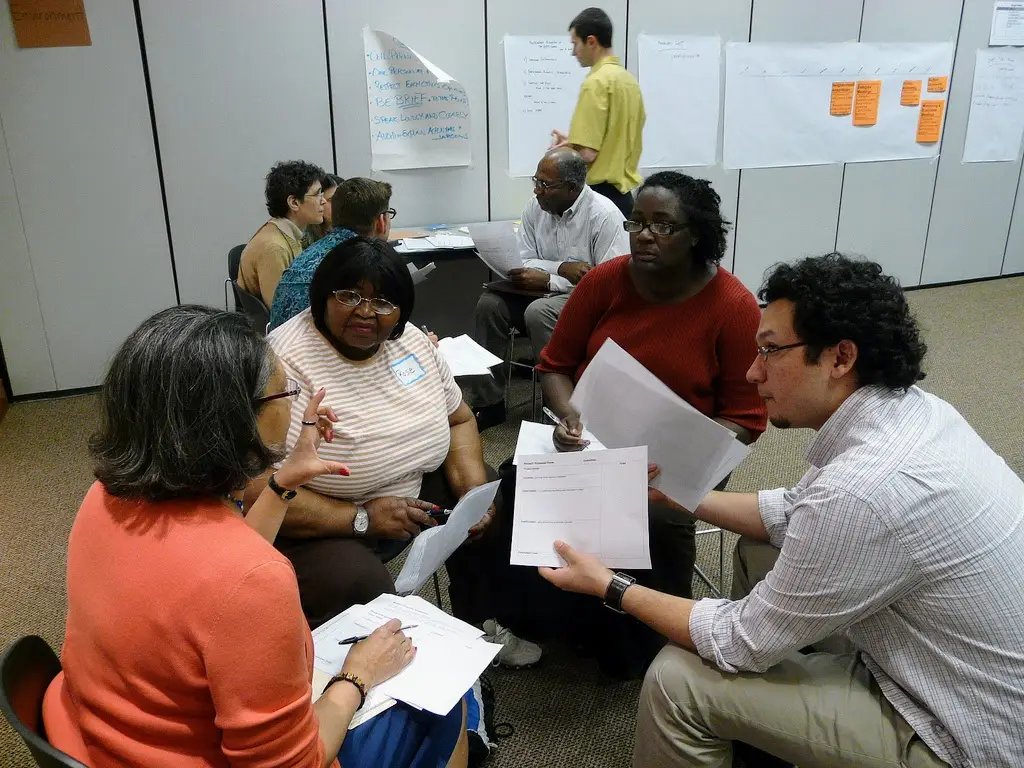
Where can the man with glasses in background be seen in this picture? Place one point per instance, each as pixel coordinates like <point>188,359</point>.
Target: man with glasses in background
<point>295,200</point>
<point>360,207</point>
<point>905,536</point>
<point>566,229</point>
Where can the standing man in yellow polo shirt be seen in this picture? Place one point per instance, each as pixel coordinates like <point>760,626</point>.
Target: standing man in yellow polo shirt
<point>607,126</point>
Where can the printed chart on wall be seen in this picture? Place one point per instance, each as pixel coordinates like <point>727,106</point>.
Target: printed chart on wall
<point>419,115</point>
<point>833,103</point>
<point>996,122</point>
<point>680,131</point>
<point>543,82</point>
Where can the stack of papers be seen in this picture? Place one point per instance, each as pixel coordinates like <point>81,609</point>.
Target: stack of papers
<point>450,241</point>
<point>415,244</point>
<point>467,358</point>
<point>536,440</point>
<point>498,245</point>
<point>625,404</point>
<point>450,655</point>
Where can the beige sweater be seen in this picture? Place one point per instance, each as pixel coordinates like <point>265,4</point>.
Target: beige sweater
<point>267,255</point>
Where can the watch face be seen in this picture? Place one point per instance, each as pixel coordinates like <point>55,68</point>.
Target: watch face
<point>362,521</point>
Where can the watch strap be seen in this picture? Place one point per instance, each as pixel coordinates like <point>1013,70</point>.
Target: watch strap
<point>616,589</point>
<point>284,493</point>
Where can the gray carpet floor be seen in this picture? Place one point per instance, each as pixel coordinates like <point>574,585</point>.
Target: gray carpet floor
<point>564,713</point>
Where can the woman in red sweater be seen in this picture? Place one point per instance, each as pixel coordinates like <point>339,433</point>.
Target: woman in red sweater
<point>689,322</point>
<point>185,643</point>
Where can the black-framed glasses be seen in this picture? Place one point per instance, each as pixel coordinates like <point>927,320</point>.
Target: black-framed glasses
<point>352,299</point>
<point>390,213</point>
<point>546,185</point>
<point>292,390</point>
<point>662,228</point>
<point>771,349</point>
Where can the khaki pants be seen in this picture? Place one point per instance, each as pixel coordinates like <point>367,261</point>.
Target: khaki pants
<point>817,710</point>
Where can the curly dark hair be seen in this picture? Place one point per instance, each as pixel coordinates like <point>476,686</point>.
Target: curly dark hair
<point>291,177</point>
<point>179,407</point>
<point>836,297</point>
<point>702,206</point>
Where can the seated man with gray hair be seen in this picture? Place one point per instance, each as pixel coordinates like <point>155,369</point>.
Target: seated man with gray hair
<point>566,229</point>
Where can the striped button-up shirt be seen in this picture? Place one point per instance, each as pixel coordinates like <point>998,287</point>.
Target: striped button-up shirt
<point>906,534</point>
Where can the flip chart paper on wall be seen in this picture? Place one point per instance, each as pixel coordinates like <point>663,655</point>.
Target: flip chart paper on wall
<point>419,115</point>
<point>684,131</point>
<point>996,119</point>
<point>542,81</point>
<point>778,97</point>
<point>1007,23</point>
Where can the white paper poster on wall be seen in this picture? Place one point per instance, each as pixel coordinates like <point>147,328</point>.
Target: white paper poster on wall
<point>996,121</point>
<point>833,102</point>
<point>419,114</point>
<point>1007,23</point>
<point>681,81</point>
<point>543,81</point>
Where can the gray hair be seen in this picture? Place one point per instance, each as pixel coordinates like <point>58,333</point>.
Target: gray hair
<point>572,168</point>
<point>179,407</point>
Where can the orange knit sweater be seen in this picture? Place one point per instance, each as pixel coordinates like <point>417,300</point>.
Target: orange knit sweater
<point>185,643</point>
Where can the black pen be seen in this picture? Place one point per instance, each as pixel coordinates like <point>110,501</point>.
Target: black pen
<point>359,638</point>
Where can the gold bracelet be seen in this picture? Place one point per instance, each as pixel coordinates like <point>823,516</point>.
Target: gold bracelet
<point>348,677</point>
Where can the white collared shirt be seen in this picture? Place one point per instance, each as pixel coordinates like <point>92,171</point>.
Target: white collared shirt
<point>590,230</point>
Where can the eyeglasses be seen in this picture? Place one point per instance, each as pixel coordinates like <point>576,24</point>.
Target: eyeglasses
<point>292,390</point>
<point>764,352</point>
<point>319,194</point>
<point>353,299</point>
<point>546,185</point>
<point>662,228</point>
<point>390,213</point>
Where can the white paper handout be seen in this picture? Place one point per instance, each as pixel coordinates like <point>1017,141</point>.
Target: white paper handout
<point>680,132</point>
<point>450,653</point>
<point>498,245</point>
<point>625,404</point>
<point>594,501</point>
<point>419,274</point>
<point>444,241</point>
<point>1007,23</point>
<point>536,439</point>
<point>542,80</point>
<point>434,546</point>
<point>996,121</point>
<point>419,114</point>
<point>467,358</point>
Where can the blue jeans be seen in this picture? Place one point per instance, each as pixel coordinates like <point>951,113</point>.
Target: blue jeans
<point>403,737</point>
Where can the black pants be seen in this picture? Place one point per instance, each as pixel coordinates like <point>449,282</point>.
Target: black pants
<point>623,200</point>
<point>335,573</point>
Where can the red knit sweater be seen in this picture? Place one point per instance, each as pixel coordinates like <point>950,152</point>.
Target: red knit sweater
<point>701,349</point>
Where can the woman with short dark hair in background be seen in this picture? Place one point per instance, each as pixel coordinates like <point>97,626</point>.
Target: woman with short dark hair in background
<point>185,643</point>
<point>328,186</point>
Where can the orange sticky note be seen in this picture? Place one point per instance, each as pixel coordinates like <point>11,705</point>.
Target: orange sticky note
<point>937,84</point>
<point>865,108</point>
<point>842,99</point>
<point>929,122</point>
<point>49,23</point>
<point>910,96</point>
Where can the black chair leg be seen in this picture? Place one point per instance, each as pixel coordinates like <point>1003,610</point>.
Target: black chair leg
<point>437,590</point>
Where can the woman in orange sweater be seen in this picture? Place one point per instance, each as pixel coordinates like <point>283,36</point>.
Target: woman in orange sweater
<point>185,642</point>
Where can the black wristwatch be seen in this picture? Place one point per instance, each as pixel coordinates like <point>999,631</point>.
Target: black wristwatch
<point>616,589</point>
<point>284,493</point>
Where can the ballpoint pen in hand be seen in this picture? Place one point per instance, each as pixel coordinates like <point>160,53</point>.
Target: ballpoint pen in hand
<point>551,415</point>
<point>359,638</point>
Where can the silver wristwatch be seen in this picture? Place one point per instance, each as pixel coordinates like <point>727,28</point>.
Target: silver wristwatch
<point>361,522</point>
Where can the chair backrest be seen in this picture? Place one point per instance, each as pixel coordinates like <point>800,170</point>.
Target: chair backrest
<point>252,306</point>
<point>234,259</point>
<point>26,669</point>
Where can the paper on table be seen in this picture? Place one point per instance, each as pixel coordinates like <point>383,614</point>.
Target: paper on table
<point>1007,23</point>
<point>535,440</point>
<point>996,120</point>
<point>416,244</point>
<point>498,245</point>
<point>690,448</point>
<point>467,358</point>
<point>594,501</point>
<point>450,241</point>
<point>434,546</point>
<point>420,274</point>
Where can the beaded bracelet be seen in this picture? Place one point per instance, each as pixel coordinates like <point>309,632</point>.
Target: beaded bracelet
<point>348,677</point>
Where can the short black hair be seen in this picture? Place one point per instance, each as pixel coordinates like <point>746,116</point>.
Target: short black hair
<point>836,297</point>
<point>291,177</point>
<point>330,180</point>
<point>350,263</point>
<point>178,407</point>
<point>702,206</point>
<point>593,21</point>
<point>358,201</point>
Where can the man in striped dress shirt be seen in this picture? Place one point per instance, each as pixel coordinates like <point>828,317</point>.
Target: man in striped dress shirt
<point>906,537</point>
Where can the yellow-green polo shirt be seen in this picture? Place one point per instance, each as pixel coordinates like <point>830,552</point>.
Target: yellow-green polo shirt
<point>609,118</point>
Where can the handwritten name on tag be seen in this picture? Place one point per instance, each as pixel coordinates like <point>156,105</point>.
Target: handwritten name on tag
<point>408,370</point>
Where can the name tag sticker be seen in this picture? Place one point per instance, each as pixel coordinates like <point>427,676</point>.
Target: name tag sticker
<point>408,370</point>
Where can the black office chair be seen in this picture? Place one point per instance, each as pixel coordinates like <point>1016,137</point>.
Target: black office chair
<point>252,306</point>
<point>234,259</point>
<point>26,669</point>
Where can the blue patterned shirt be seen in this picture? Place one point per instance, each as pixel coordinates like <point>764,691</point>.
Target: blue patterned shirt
<point>292,294</point>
